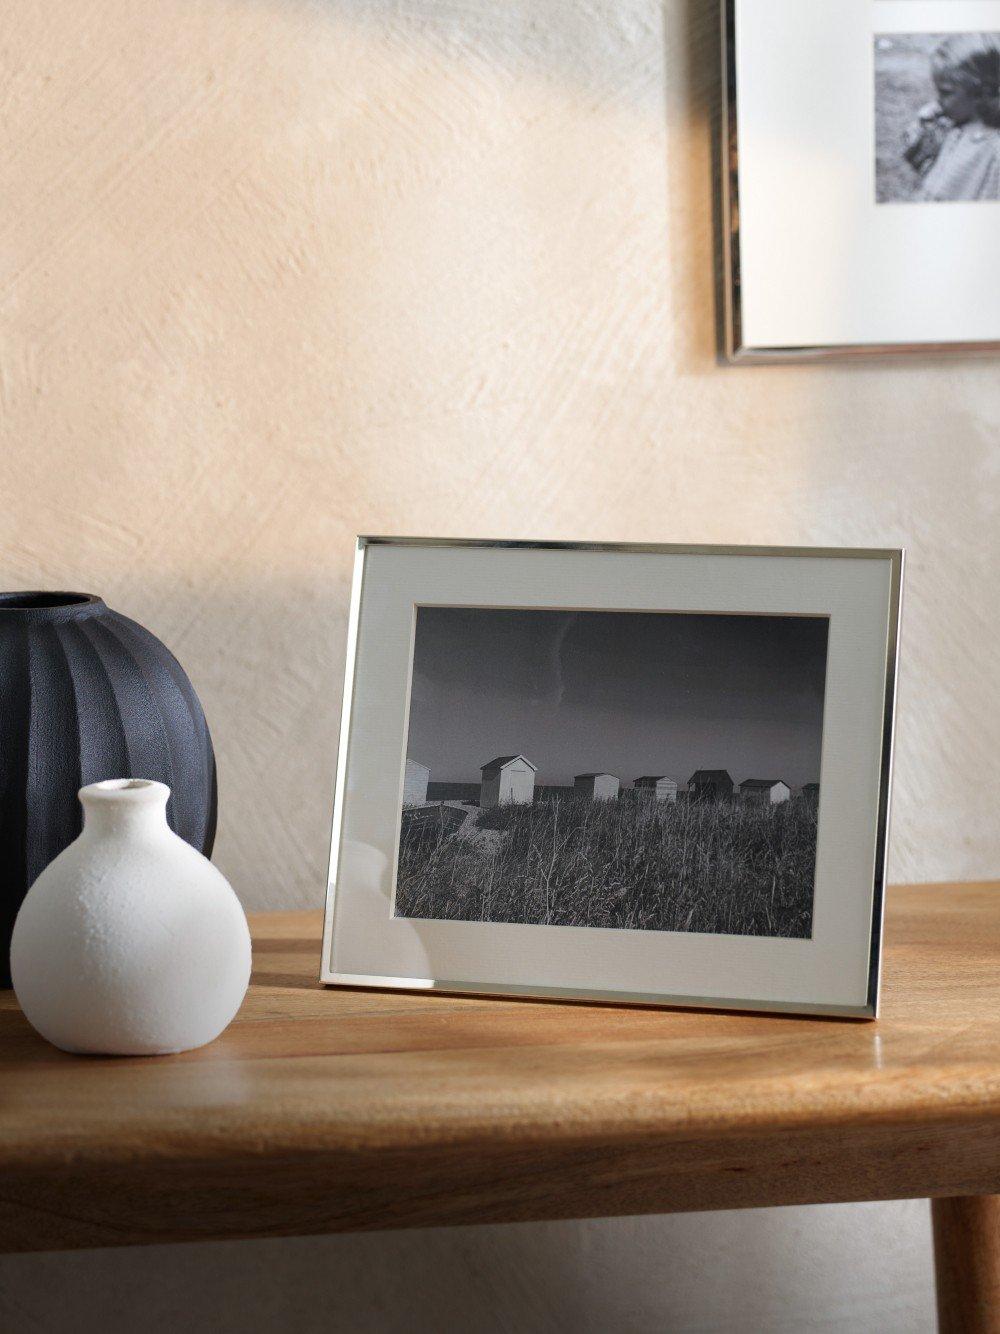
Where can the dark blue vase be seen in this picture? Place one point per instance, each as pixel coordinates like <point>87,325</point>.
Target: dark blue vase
<point>86,694</point>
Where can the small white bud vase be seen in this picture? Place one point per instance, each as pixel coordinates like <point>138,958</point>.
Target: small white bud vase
<point>130,942</point>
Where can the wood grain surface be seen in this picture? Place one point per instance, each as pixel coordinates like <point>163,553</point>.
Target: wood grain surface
<point>967,1264</point>
<point>328,1110</point>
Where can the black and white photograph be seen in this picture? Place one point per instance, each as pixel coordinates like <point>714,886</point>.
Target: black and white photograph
<point>937,117</point>
<point>651,771</point>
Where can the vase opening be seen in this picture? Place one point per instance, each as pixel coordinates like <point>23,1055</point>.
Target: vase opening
<point>34,601</point>
<point>42,608</point>
<point>121,792</point>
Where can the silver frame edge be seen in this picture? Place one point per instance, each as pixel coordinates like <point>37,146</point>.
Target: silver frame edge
<point>885,780</point>
<point>343,741</point>
<point>868,1010</point>
<point>737,352</point>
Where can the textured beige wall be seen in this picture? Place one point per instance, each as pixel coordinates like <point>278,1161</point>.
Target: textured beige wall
<point>273,272</point>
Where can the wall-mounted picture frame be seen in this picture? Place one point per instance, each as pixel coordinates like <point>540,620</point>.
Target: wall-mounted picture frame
<point>861,177</point>
<point>640,774</point>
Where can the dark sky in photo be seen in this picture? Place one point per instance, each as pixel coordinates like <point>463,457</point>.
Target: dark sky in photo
<point>627,693</point>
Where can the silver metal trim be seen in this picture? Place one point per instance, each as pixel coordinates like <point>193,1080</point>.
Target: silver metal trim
<point>885,780</point>
<point>633,548</point>
<point>869,1010</point>
<point>635,999</point>
<point>737,351</point>
<point>350,666</point>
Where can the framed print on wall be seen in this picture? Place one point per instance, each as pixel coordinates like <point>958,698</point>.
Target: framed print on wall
<point>862,177</point>
<point>645,774</point>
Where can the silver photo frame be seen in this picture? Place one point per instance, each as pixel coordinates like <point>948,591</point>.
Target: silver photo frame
<point>401,584</point>
<point>814,268</point>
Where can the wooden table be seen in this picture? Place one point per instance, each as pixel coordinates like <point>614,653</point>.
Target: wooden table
<point>328,1110</point>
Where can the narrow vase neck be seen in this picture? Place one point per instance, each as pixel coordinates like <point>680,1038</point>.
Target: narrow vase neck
<point>125,805</point>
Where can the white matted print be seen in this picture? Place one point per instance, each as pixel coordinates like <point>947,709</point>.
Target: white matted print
<point>838,110</point>
<point>644,774</point>
<point>625,770</point>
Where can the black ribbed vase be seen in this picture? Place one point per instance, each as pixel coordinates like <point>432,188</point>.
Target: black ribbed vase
<point>86,694</point>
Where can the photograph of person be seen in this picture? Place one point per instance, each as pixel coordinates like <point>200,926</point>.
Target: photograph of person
<point>937,109</point>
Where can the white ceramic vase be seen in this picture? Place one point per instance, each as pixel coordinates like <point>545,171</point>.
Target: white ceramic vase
<point>130,942</point>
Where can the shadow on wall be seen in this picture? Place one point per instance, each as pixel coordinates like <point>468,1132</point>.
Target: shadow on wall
<point>697,234</point>
<point>600,50</point>
<point>655,62</point>
<point>867,1271</point>
<point>268,665</point>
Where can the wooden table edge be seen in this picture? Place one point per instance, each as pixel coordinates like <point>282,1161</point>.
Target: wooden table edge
<point>251,1180</point>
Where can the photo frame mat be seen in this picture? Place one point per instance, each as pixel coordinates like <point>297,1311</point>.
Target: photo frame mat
<point>593,962</point>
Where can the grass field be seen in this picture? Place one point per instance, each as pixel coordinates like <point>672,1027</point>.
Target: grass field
<point>725,868</point>
<point>902,86</point>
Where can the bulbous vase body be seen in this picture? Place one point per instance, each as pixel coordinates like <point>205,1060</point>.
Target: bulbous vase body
<point>130,942</point>
<point>88,694</point>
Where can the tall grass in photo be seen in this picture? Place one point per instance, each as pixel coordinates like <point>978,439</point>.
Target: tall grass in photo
<point>727,867</point>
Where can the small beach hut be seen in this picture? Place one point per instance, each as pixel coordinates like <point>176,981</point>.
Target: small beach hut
<point>767,791</point>
<point>599,787</point>
<point>415,779</point>
<point>710,785</point>
<point>653,787</point>
<point>509,780</point>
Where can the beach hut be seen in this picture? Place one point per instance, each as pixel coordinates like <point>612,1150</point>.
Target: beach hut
<point>811,791</point>
<point>509,780</point>
<point>430,824</point>
<point>655,788</point>
<point>598,787</point>
<point>765,790</point>
<point>710,785</point>
<point>415,779</point>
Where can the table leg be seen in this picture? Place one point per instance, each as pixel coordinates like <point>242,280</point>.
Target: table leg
<point>967,1263</point>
